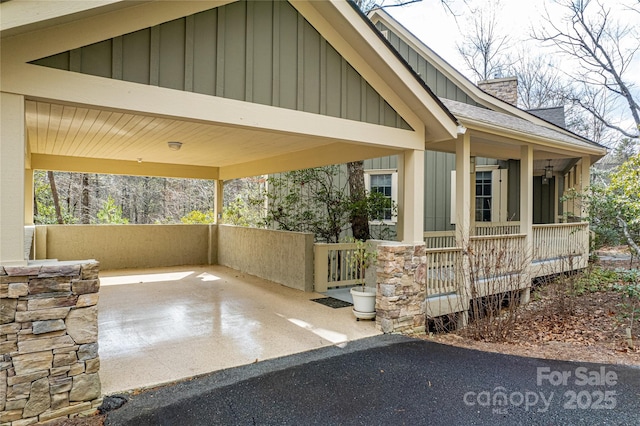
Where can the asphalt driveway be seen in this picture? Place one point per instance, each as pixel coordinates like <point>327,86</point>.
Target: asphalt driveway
<point>387,380</point>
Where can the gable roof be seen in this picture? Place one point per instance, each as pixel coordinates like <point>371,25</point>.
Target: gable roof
<point>74,117</point>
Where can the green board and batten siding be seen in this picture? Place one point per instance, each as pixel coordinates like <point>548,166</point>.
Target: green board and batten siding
<point>438,165</point>
<point>256,51</point>
<point>439,84</point>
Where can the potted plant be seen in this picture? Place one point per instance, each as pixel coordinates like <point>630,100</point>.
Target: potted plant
<point>364,298</point>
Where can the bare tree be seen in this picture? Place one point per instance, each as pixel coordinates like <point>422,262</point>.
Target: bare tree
<point>84,211</point>
<point>484,46</point>
<point>604,50</point>
<point>540,84</point>
<point>56,199</point>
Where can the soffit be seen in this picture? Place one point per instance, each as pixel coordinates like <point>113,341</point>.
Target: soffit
<point>76,131</point>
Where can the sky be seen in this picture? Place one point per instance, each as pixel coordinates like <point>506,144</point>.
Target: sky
<point>433,24</point>
<point>440,30</point>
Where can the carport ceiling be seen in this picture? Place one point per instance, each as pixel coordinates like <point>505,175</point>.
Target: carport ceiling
<point>66,130</point>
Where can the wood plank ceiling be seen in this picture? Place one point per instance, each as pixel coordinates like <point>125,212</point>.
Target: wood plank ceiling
<point>54,129</point>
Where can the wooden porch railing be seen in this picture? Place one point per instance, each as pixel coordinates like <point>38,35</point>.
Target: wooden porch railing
<point>497,228</point>
<point>558,240</point>
<point>443,239</point>
<point>442,267</point>
<point>490,255</point>
<point>440,239</point>
<point>332,266</point>
<point>494,255</point>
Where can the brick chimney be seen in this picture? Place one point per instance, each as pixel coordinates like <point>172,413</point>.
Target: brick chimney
<point>505,89</point>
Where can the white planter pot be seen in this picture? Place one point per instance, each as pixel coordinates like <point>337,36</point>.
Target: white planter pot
<point>364,302</point>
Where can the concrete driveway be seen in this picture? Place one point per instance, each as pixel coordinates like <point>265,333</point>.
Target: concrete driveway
<point>161,325</point>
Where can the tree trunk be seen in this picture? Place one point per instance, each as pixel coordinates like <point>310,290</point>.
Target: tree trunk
<point>359,218</point>
<point>56,200</point>
<point>625,230</point>
<point>84,209</point>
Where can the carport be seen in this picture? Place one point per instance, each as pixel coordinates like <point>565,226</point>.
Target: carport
<point>75,96</point>
<point>74,99</point>
<point>164,324</point>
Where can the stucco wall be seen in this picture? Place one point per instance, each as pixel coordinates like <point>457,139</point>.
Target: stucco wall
<point>128,246</point>
<point>273,255</point>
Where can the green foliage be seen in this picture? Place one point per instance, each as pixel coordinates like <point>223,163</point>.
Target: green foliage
<point>46,212</point>
<point>614,198</point>
<point>317,201</point>
<point>630,306</point>
<point>197,216</point>
<point>310,200</point>
<point>594,280</point>
<point>362,257</point>
<point>624,189</point>
<point>244,201</point>
<point>111,213</point>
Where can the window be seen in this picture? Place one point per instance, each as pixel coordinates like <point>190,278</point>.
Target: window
<point>483,196</point>
<point>490,196</point>
<point>386,183</point>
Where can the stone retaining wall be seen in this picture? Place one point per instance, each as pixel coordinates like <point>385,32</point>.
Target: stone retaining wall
<point>48,342</point>
<point>402,292</point>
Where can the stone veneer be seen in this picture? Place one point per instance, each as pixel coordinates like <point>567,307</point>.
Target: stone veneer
<point>48,341</point>
<point>402,292</point>
<point>505,89</point>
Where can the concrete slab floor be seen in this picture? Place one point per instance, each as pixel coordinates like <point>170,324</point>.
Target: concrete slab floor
<point>162,325</point>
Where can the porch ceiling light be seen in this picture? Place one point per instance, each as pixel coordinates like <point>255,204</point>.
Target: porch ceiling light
<point>548,173</point>
<point>174,146</point>
<point>548,170</point>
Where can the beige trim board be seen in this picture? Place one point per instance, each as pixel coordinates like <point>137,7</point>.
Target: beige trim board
<point>335,21</point>
<point>120,167</point>
<point>322,156</point>
<point>61,30</point>
<point>37,82</point>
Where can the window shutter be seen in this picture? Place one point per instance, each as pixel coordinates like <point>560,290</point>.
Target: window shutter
<point>453,197</point>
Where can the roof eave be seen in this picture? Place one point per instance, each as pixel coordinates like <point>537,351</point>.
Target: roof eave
<point>595,152</point>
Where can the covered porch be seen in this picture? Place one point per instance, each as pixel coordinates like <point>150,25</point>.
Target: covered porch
<point>185,90</point>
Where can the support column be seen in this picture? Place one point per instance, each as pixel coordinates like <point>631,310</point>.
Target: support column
<point>412,200</point>
<point>556,196</point>
<point>12,185</point>
<point>526,218</point>
<point>28,197</point>
<point>463,190</point>
<point>400,197</point>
